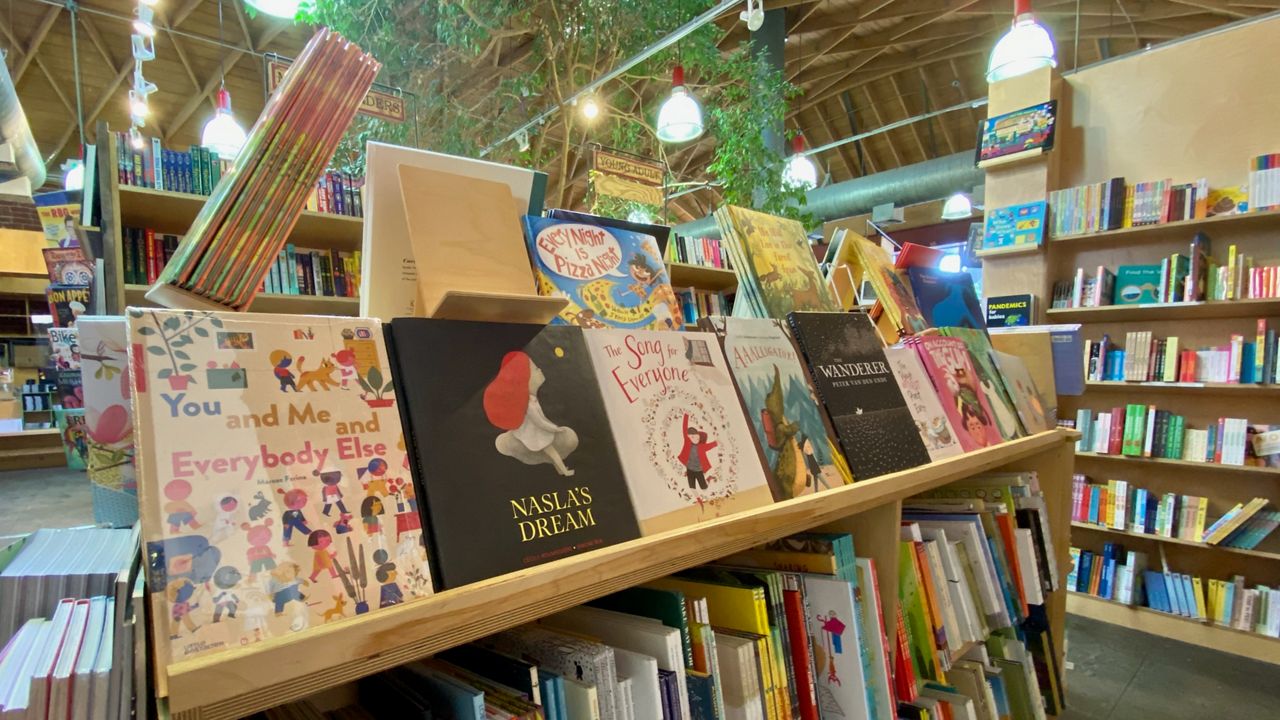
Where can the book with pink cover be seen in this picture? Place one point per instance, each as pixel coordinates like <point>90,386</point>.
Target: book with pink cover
<point>108,418</point>
<point>935,428</point>
<point>275,494</point>
<point>950,368</point>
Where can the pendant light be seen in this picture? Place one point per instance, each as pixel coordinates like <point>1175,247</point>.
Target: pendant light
<point>74,179</point>
<point>680,118</point>
<point>800,172</point>
<point>1026,47</point>
<point>222,133</point>
<point>286,9</point>
<point>957,207</point>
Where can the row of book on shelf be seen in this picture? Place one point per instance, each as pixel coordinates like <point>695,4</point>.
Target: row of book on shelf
<point>705,251</point>
<point>1119,506</point>
<point>1145,431</point>
<point>1146,358</point>
<point>695,304</point>
<point>1124,576</point>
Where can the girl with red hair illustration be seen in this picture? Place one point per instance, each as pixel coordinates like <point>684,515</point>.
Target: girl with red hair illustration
<point>694,455</point>
<point>511,404</point>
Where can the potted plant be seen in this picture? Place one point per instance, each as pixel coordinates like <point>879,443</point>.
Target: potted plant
<point>375,391</point>
<point>175,333</point>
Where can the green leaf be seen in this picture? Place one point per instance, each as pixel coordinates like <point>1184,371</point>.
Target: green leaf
<point>187,367</point>
<point>135,313</point>
<point>155,350</point>
<point>172,323</point>
<point>146,331</point>
<point>215,322</point>
<point>181,355</point>
<point>374,377</point>
<point>200,331</point>
<point>365,385</point>
<point>166,372</point>
<point>97,374</point>
<point>388,387</point>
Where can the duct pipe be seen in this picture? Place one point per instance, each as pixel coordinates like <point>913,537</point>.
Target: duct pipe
<point>14,130</point>
<point>928,180</point>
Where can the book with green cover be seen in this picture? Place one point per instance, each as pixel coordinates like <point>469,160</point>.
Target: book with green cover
<point>1137,284</point>
<point>912,602</point>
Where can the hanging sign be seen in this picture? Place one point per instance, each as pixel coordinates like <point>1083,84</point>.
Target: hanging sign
<point>381,104</point>
<point>627,176</point>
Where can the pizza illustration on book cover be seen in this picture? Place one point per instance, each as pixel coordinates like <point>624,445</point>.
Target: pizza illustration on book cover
<point>272,474</point>
<point>612,277</point>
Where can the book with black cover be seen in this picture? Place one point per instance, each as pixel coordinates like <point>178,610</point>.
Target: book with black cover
<point>509,443</point>
<point>856,385</point>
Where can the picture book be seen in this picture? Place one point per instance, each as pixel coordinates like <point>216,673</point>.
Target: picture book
<point>776,263</point>
<point>891,292</point>
<point>274,486</point>
<point>951,371</point>
<point>612,277</point>
<point>687,450</point>
<point>68,302</point>
<point>1023,392</point>
<point>775,392</point>
<point>660,233</point>
<point>1011,310</point>
<point>1137,284</point>
<point>1014,227</point>
<point>834,624</point>
<point>989,378</point>
<point>108,415</point>
<point>946,299</point>
<point>64,348</point>
<point>1021,133</point>
<point>68,266</point>
<point>509,443</point>
<point>935,429</point>
<point>75,442</point>
<point>855,384</point>
<point>69,386</point>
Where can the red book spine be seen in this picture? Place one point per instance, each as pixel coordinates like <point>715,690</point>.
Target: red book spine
<point>153,261</point>
<point>801,660</point>
<point>1217,440</point>
<point>1116,440</point>
<point>904,677</point>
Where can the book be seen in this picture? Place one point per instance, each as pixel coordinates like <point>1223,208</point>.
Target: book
<point>855,384</point>
<point>68,302</point>
<point>940,438</point>
<point>1014,227</point>
<point>989,379</point>
<point>950,369</point>
<point>509,442</point>
<point>946,299</point>
<point>788,423</point>
<point>774,262</point>
<point>689,454</point>
<point>660,233</point>
<point>612,277</point>
<point>75,440</point>
<point>1137,284</point>
<point>270,457</point>
<point>1011,310</point>
<point>834,623</point>
<point>109,419</point>
<point>1026,397</point>
<point>892,294</point>
<point>68,266</point>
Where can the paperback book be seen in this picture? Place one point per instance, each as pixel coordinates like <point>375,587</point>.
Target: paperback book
<point>989,378</point>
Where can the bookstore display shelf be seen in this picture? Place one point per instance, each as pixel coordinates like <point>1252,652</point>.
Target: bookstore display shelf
<point>1175,627</point>
<point>1176,541</point>
<point>1184,463</point>
<point>1188,387</point>
<point>240,682</point>
<point>1245,221</point>
<point>173,212</point>
<point>1168,311</point>
<point>701,277</point>
<point>271,303</point>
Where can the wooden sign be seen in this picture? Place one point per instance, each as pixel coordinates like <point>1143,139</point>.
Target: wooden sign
<point>627,176</point>
<point>380,104</point>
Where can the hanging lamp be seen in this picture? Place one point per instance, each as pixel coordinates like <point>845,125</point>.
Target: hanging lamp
<point>277,8</point>
<point>680,118</point>
<point>1027,46</point>
<point>800,171</point>
<point>222,133</point>
<point>957,207</point>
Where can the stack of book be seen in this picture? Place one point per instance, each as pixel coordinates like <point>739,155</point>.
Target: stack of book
<point>145,253</point>
<point>705,251</point>
<point>696,304</point>
<point>1137,430</point>
<point>338,193</point>
<point>777,271</point>
<point>195,171</point>
<point>302,271</point>
<point>1264,182</point>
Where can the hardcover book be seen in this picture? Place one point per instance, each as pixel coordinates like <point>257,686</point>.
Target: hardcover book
<point>951,370</point>
<point>854,382</point>
<point>1011,310</point>
<point>109,419</point>
<point>612,277</point>
<point>68,302</point>
<point>1015,227</point>
<point>989,377</point>
<point>939,437</point>
<point>776,262</point>
<point>1137,284</point>
<point>509,443</point>
<point>273,480</point>
<point>788,423</point>
<point>892,293</point>
<point>1023,392</point>
<point>688,451</point>
<point>946,299</point>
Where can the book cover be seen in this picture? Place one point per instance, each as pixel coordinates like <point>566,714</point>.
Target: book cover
<point>940,439</point>
<point>272,475</point>
<point>1015,226</point>
<point>779,263</point>
<point>784,414</point>
<point>1026,397</point>
<point>107,408</point>
<point>1011,310</point>
<point>612,277</point>
<point>1137,284</point>
<point>951,370</point>
<point>990,380</point>
<point>892,293</point>
<point>946,299</point>
<point>64,348</point>
<point>833,624</point>
<point>510,444</point>
<point>75,441</point>
<point>688,453</point>
<point>68,302</point>
<point>67,266</point>
<point>855,384</point>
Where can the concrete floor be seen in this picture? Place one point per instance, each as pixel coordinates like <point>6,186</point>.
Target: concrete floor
<point>1115,673</point>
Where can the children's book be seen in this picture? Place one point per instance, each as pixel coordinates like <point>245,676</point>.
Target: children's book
<point>612,277</point>
<point>272,473</point>
<point>834,623</point>
<point>688,452</point>
<point>855,384</point>
<point>892,293</point>
<point>1015,226</point>
<point>68,266</point>
<point>1011,310</point>
<point>951,370</point>
<point>989,377</point>
<point>64,348</point>
<point>510,444</point>
<point>75,441</point>
<point>776,262</point>
<point>940,439</point>
<point>789,425</point>
<point>946,299</point>
<point>68,302</point>
<point>1023,392</point>
<point>109,416</point>
<point>1137,284</point>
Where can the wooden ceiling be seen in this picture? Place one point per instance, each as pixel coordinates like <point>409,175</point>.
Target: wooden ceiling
<point>862,64</point>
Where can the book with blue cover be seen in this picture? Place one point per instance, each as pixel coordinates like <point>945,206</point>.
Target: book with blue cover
<point>612,277</point>
<point>946,299</point>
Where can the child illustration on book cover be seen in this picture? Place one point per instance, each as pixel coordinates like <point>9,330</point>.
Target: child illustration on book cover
<point>511,404</point>
<point>695,455</point>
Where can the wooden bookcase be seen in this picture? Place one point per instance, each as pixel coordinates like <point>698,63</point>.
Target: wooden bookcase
<point>278,670</point>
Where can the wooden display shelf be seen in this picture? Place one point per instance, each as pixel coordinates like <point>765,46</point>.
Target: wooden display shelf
<point>1168,311</point>
<point>1246,221</point>
<point>1176,627</point>
<point>173,212</point>
<point>1176,541</point>
<point>1215,467</point>
<point>1185,387</point>
<point>701,277</point>
<point>246,680</point>
<point>270,303</point>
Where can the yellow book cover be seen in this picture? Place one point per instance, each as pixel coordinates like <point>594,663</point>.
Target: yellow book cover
<point>1110,512</point>
<point>1202,515</point>
<point>1211,599</point>
<point>781,264</point>
<point>1171,359</point>
<point>1231,275</point>
<point>892,293</point>
<point>914,604</point>
<point>1243,516</point>
<point>1202,607</point>
<point>1128,206</point>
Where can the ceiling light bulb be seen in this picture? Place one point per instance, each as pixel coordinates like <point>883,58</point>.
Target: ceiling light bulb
<point>590,108</point>
<point>957,207</point>
<point>222,133</point>
<point>135,138</point>
<point>1026,47</point>
<point>142,25</point>
<point>286,9</point>
<point>800,171</point>
<point>680,118</point>
<point>753,16</point>
<point>74,179</point>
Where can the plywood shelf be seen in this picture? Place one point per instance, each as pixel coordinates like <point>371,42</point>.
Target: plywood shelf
<point>172,212</point>
<point>1176,627</point>
<point>1176,541</point>
<point>1167,311</point>
<point>1193,388</point>
<point>249,679</point>
<point>271,303</point>
<point>1267,219</point>
<point>700,277</point>
<point>1212,467</point>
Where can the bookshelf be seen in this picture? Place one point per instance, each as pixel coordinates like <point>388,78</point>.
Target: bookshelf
<point>702,277</point>
<point>1192,388</point>
<point>282,669</point>
<point>1265,220</point>
<point>1167,311</point>
<point>1177,541</point>
<point>1212,467</point>
<point>270,303</point>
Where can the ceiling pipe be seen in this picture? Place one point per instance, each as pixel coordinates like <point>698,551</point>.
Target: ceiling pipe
<point>16,133</point>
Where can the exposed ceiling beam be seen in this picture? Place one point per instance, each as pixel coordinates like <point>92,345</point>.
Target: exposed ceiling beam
<point>33,45</point>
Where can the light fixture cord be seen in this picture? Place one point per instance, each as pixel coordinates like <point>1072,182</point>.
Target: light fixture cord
<point>75,68</point>
<point>222,65</point>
